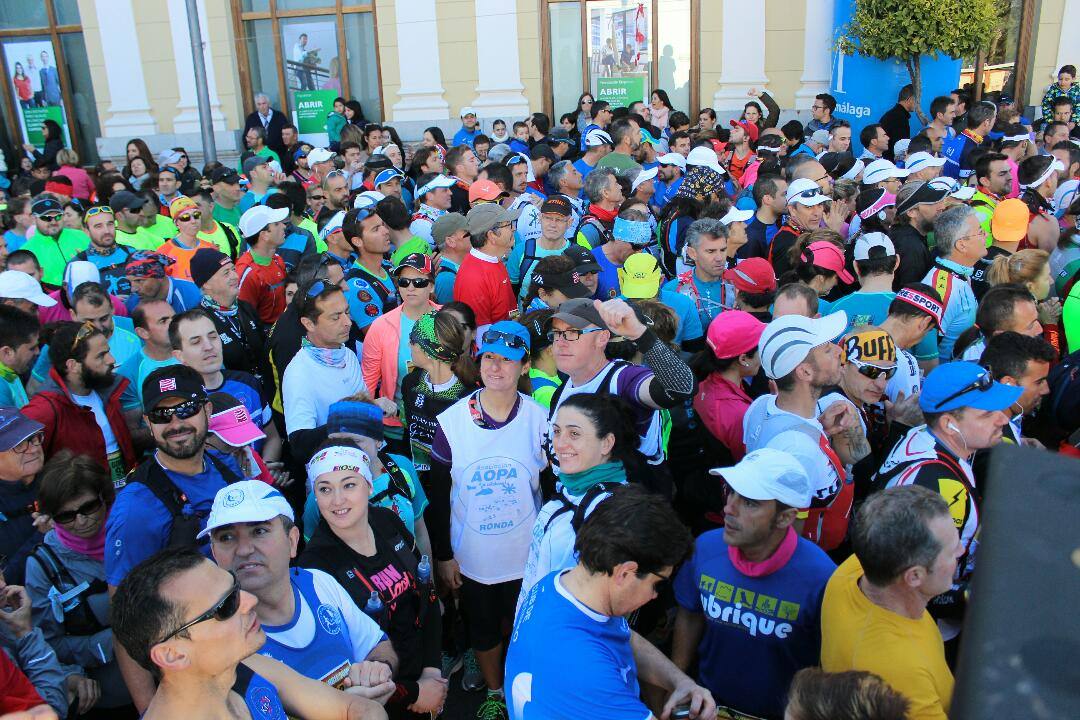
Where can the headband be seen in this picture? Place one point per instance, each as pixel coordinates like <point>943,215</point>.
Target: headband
<point>1055,166</point>
<point>767,149</point>
<point>1015,138</point>
<point>58,188</point>
<point>147,263</point>
<point>423,334</point>
<point>635,232</point>
<point>337,458</point>
<point>922,301</point>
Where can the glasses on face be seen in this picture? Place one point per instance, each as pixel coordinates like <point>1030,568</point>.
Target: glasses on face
<point>507,339</point>
<point>570,334</point>
<point>222,610</point>
<point>34,441</point>
<point>51,217</point>
<point>982,383</point>
<point>417,283</point>
<point>87,509</point>
<point>317,197</point>
<point>185,217</point>
<point>661,585</point>
<point>509,224</point>
<point>873,372</point>
<point>184,411</point>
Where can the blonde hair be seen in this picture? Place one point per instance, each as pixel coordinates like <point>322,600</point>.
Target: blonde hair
<point>67,156</point>
<point>1021,268</point>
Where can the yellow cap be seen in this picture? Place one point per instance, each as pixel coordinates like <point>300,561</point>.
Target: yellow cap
<point>639,277</point>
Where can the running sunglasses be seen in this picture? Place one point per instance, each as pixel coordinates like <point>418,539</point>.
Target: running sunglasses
<point>185,410</point>
<point>97,210</point>
<point>88,328</point>
<point>184,217</point>
<point>982,383</point>
<point>417,283</point>
<point>809,193</point>
<point>507,339</point>
<point>222,610</point>
<point>873,371</point>
<point>51,217</point>
<point>87,509</point>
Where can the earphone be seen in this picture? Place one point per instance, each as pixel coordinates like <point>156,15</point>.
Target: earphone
<point>952,426</point>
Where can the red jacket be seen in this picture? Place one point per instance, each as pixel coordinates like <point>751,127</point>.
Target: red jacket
<point>74,427</point>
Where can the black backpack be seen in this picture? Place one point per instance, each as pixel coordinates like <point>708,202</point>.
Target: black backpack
<point>185,526</point>
<point>78,619</point>
<point>581,510</point>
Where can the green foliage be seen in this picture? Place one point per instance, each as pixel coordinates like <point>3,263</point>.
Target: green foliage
<point>906,29</point>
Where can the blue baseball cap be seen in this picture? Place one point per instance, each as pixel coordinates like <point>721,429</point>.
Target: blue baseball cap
<point>965,384</point>
<point>506,338</point>
<point>16,427</point>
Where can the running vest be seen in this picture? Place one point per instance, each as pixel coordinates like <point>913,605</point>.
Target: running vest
<point>387,296</point>
<point>68,600</point>
<point>328,657</point>
<point>260,695</point>
<point>496,483</point>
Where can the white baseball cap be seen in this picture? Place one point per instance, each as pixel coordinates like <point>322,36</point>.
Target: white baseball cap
<point>853,173</point>
<point>788,339</point>
<point>169,157</point>
<point>821,137</point>
<point>257,217</point>
<point>922,160</point>
<point>869,240</point>
<point>736,215</point>
<point>597,137</point>
<point>900,148</point>
<point>705,157</point>
<point>247,501</point>
<point>805,191</point>
<point>78,272</point>
<point>1065,196</point>
<point>441,181</point>
<point>769,474</point>
<point>963,193</point>
<point>332,225</point>
<point>319,155</point>
<point>367,199</point>
<point>642,177</point>
<point>17,285</point>
<point>467,110</point>
<point>673,158</point>
<point>880,170</point>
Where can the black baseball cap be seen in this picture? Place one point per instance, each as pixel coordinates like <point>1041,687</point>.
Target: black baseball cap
<point>126,200</point>
<point>225,175</point>
<point>172,381</point>
<point>558,135</point>
<point>579,313</point>
<point>543,150</point>
<point>46,206</point>
<point>558,205</point>
<point>568,283</point>
<point>584,261</point>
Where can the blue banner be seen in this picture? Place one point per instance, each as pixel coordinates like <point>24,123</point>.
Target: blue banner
<point>865,88</point>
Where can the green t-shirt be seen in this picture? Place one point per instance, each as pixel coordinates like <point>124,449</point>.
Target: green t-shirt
<point>265,152</point>
<point>55,253</point>
<point>309,225</point>
<point>230,216</point>
<point>220,239</point>
<point>141,239</point>
<point>164,228</point>
<point>543,386</point>
<point>619,161</point>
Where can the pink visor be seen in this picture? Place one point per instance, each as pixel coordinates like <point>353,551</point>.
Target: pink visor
<point>235,427</point>
<point>828,256</point>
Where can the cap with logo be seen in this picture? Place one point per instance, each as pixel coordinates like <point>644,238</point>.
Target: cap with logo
<point>870,345</point>
<point>1009,223</point>
<point>769,474</point>
<point>568,283</point>
<point>965,384</point>
<point>17,285</point>
<point>597,137</point>
<point>247,501</point>
<point>172,381</point>
<point>387,175</point>
<point>439,181</point>
<point>257,217</point>
<point>557,205</point>
<point>206,263</point>
<point>367,199</point>
<point>46,206</point>
<point>332,225</point>
<point>872,201</point>
<point>732,333</point>
<point>788,340</point>
<point>486,216</point>
<point>805,191</point>
<point>753,275</point>
<point>180,205</point>
<point>231,422</point>
<point>866,243</point>
<point>15,427</point>
<point>584,260</point>
<point>640,277</point>
<point>420,262</point>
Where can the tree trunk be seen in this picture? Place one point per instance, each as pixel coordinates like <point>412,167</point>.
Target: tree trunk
<point>914,69</point>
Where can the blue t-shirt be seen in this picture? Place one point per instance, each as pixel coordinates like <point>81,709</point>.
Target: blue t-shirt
<point>758,238</point>
<point>583,167</point>
<point>444,280</point>
<point>14,240</point>
<point>246,388</point>
<point>770,623</point>
<point>404,353</point>
<point>567,661</point>
<point>607,284</point>
<point>139,524</point>
<point>135,370</point>
<point>465,137</point>
<point>689,327</point>
<point>111,268</point>
<point>365,299</point>
<point>710,298</point>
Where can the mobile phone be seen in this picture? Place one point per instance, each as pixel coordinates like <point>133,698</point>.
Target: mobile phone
<point>681,713</point>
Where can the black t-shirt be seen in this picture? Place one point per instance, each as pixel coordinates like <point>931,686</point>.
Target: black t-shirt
<point>780,250</point>
<point>979,282</point>
<point>915,257</point>
<point>243,342</point>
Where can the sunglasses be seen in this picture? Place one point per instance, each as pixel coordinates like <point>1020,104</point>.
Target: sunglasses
<point>336,173</point>
<point>33,441</point>
<point>98,210</point>
<point>87,329</point>
<point>417,283</point>
<point>87,509</point>
<point>184,411</point>
<point>809,193</point>
<point>873,371</point>
<point>982,383</point>
<point>317,197</point>
<point>222,610</point>
<point>661,585</point>
<point>184,217</point>
<point>52,217</point>
<point>507,339</point>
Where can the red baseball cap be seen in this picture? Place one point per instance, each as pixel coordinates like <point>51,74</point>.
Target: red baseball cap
<point>733,332</point>
<point>750,128</point>
<point>828,256</point>
<point>753,275</point>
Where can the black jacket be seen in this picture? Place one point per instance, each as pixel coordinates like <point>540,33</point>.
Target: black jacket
<point>915,258</point>
<point>897,124</point>
<point>273,129</point>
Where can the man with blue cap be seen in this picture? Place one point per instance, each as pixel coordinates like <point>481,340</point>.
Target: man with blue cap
<point>965,410</point>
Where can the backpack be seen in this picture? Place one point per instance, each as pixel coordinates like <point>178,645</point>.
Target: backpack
<point>69,605</point>
<point>603,234</point>
<point>184,526</point>
<point>580,511</point>
<point>399,481</point>
<point>1064,399</point>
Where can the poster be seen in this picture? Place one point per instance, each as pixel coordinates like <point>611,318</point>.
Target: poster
<point>310,108</point>
<point>35,81</point>
<point>620,91</point>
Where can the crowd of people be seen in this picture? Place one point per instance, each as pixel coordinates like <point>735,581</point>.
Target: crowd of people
<point>634,414</point>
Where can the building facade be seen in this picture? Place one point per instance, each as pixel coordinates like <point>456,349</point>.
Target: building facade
<point>111,70</point>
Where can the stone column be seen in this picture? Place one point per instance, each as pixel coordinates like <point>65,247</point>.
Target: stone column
<point>742,54</point>
<point>187,109</point>
<point>129,107</point>
<point>421,91</point>
<point>817,52</point>
<point>499,91</point>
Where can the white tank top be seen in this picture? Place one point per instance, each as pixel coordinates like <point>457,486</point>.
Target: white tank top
<point>495,494</point>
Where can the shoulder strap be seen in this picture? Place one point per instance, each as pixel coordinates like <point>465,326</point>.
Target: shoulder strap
<point>226,473</point>
<point>528,254</point>
<point>55,572</point>
<point>399,481</point>
<point>598,492</point>
<point>155,479</point>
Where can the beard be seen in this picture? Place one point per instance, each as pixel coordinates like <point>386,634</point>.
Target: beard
<point>185,447</point>
<point>94,380</point>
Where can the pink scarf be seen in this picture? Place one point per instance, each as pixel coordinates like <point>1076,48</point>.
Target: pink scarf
<point>93,547</point>
<point>770,564</point>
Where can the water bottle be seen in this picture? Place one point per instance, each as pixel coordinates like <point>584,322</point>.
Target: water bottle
<point>374,607</point>
<point>423,570</point>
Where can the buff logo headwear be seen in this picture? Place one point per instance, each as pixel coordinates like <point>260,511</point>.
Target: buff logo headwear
<point>870,346</point>
<point>423,334</point>
<point>336,459</point>
<point>923,302</point>
<point>147,263</point>
<point>634,232</point>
